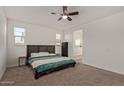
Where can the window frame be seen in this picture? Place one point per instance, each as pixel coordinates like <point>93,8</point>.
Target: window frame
<point>58,41</point>
<point>59,37</point>
<point>19,36</point>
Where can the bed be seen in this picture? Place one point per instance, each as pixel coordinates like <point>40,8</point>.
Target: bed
<point>45,60</point>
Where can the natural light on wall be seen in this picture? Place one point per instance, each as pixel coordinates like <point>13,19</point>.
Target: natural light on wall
<point>19,34</point>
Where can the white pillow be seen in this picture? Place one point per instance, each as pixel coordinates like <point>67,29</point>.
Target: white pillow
<point>52,54</point>
<point>39,54</point>
<point>34,54</point>
<point>43,52</point>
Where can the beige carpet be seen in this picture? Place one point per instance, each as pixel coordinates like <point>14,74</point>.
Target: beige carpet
<point>82,75</point>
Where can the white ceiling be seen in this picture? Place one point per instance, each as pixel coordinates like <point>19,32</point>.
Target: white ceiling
<point>41,14</point>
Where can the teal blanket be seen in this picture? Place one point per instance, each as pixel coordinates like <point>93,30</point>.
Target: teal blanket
<point>48,66</point>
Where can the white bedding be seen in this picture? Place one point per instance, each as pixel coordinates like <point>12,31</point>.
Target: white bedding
<point>53,60</point>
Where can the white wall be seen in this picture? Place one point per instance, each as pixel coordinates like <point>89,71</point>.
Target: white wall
<point>2,42</point>
<point>35,35</point>
<point>103,43</point>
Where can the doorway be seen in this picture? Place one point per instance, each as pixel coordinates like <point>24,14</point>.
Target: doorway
<point>78,45</point>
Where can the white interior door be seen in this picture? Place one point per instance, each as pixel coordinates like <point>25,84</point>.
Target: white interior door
<point>78,45</point>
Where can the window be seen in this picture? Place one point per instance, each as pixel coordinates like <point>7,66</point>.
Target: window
<point>77,42</point>
<point>19,34</point>
<point>58,36</point>
<point>58,39</point>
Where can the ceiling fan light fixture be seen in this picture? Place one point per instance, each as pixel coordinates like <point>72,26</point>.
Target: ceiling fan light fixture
<point>64,16</point>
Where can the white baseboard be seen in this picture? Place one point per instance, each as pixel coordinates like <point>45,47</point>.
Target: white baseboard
<point>105,68</point>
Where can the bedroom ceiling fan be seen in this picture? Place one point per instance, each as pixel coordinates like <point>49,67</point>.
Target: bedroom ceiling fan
<point>66,14</point>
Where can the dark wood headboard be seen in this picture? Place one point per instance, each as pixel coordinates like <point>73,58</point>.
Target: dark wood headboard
<point>39,48</point>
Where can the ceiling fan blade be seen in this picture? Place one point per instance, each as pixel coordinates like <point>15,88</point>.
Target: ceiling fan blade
<point>59,18</point>
<point>69,19</point>
<point>53,13</point>
<point>64,9</point>
<point>73,13</point>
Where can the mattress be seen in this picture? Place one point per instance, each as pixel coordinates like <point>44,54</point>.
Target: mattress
<point>44,63</point>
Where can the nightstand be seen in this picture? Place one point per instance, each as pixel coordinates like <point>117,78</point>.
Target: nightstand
<point>22,59</point>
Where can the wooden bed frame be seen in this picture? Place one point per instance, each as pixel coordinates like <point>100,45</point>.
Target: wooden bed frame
<point>44,48</point>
